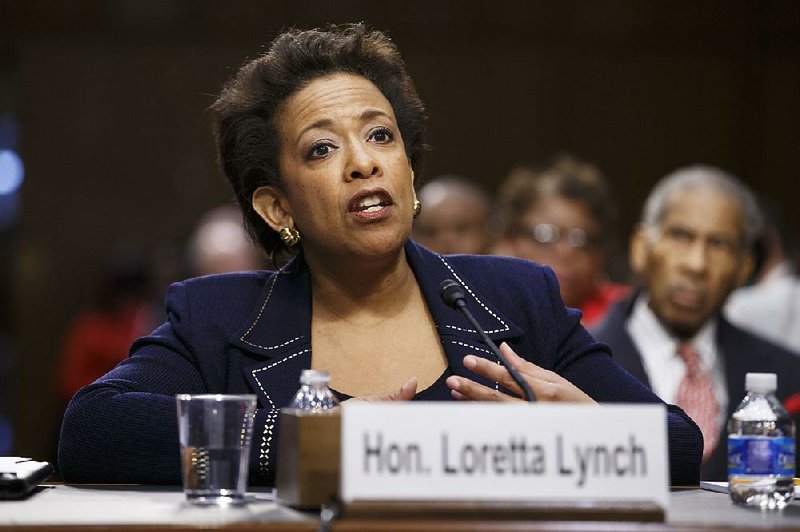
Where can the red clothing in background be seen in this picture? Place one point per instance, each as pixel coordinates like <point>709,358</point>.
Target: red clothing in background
<point>97,341</point>
<point>595,307</point>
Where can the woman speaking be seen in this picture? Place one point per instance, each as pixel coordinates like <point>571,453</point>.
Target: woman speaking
<point>321,139</point>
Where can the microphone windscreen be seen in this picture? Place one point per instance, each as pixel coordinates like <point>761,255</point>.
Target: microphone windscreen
<point>451,292</point>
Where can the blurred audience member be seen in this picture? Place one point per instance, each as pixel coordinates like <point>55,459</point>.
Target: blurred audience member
<point>693,247</point>
<point>99,338</point>
<point>220,245</point>
<point>770,306</point>
<point>563,217</point>
<point>455,216</point>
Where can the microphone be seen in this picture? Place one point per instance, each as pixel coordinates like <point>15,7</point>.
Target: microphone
<point>453,295</point>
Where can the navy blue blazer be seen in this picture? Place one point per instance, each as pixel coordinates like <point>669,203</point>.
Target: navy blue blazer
<point>251,333</point>
<point>741,353</point>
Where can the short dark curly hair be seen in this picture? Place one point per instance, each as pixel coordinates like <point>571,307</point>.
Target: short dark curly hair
<point>244,114</point>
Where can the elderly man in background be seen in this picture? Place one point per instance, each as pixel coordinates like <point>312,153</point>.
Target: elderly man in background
<point>455,216</point>
<point>692,249</point>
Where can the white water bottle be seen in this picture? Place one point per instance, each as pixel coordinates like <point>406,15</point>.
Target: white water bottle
<point>761,447</point>
<point>314,395</point>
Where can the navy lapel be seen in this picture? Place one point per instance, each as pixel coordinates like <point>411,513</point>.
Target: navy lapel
<point>279,332</point>
<point>456,333</point>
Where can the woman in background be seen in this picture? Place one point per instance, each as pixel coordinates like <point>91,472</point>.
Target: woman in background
<point>563,217</point>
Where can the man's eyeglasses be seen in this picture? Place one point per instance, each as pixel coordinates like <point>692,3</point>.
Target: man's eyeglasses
<point>547,234</point>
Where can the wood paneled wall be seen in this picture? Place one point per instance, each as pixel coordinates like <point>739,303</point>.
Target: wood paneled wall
<point>111,96</point>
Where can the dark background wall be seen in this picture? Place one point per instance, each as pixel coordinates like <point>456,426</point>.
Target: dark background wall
<point>111,98</point>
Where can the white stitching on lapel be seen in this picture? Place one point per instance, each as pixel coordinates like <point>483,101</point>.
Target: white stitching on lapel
<point>468,289</point>
<point>261,311</point>
<point>271,366</point>
<point>476,348</point>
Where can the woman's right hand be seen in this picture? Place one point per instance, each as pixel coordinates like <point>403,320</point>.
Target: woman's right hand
<point>405,393</point>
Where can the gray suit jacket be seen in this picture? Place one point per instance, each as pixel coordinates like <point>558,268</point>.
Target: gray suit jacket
<point>742,352</point>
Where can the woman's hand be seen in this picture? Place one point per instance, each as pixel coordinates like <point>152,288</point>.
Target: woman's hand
<point>546,385</point>
<point>405,393</point>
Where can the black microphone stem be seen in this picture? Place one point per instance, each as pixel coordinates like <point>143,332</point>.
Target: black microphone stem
<point>527,393</point>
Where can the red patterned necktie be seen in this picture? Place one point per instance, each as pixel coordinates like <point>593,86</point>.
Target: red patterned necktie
<point>696,397</point>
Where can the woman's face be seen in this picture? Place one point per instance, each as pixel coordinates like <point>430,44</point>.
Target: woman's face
<point>561,233</point>
<point>347,182</point>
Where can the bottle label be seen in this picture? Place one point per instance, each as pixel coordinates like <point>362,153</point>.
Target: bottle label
<point>761,455</point>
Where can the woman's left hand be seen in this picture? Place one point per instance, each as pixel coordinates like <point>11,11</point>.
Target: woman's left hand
<point>546,385</point>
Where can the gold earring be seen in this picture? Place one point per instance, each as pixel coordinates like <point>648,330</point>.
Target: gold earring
<point>289,236</point>
<point>417,208</point>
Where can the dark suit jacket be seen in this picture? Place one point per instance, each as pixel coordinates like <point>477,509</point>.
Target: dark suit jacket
<point>250,333</point>
<point>741,351</point>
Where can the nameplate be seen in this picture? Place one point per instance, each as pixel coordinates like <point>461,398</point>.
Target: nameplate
<point>503,452</point>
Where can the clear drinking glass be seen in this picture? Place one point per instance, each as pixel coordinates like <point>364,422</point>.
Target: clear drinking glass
<point>215,432</point>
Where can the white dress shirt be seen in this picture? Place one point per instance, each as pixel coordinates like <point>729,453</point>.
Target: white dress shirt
<point>663,365</point>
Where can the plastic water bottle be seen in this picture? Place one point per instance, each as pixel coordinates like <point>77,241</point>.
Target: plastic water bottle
<point>761,447</point>
<point>314,395</point>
